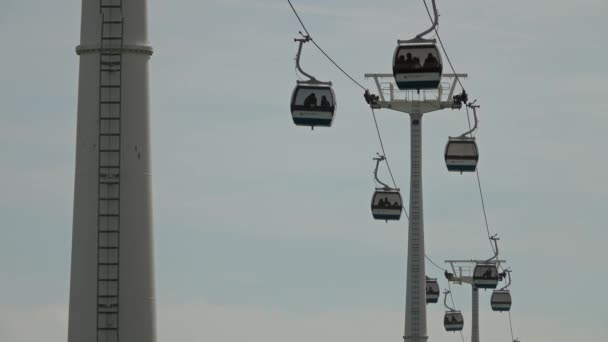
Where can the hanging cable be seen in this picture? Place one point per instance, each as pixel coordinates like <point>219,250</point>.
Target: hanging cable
<point>320,49</point>
<point>483,204</point>
<point>382,148</point>
<point>441,44</point>
<point>511,327</point>
<point>454,305</point>
<point>433,263</point>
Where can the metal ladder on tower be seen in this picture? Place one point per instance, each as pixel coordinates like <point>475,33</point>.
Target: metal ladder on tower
<point>108,243</point>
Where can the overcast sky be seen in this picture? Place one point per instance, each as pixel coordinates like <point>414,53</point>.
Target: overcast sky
<point>263,229</point>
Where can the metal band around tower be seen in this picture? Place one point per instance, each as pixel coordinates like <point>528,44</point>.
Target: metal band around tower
<point>131,49</point>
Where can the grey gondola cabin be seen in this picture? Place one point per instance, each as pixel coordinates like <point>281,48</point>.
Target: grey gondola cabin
<point>432,290</point>
<point>501,300</point>
<point>417,66</point>
<point>453,320</point>
<point>313,105</point>
<point>485,276</point>
<point>461,154</point>
<point>387,204</point>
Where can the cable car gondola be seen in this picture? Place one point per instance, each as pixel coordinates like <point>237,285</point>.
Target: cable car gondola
<point>417,62</point>
<point>313,102</point>
<point>485,276</point>
<point>453,320</point>
<point>461,154</point>
<point>313,105</point>
<point>417,65</point>
<point>387,203</point>
<point>432,290</point>
<point>501,300</point>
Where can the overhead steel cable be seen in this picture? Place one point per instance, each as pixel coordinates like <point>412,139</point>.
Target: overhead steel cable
<point>382,148</point>
<point>483,206</point>
<point>322,51</point>
<point>434,264</point>
<point>355,82</point>
<point>483,203</point>
<point>511,327</point>
<point>454,306</point>
<point>441,44</point>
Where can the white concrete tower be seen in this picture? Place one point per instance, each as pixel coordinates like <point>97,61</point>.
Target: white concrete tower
<point>112,276</point>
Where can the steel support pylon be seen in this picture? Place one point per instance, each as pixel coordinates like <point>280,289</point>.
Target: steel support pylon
<point>475,315</point>
<point>416,104</point>
<point>415,320</point>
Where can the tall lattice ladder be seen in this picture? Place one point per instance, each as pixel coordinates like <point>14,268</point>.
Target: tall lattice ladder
<point>108,245</point>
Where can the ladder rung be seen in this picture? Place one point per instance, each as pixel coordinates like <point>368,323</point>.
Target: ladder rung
<point>107,296</point>
<point>109,86</point>
<point>107,263</point>
<point>109,198</point>
<point>108,215</point>
<point>104,247</point>
<point>112,22</point>
<point>109,150</point>
<point>109,134</point>
<point>111,38</point>
<point>109,102</point>
<point>99,328</point>
<point>111,6</point>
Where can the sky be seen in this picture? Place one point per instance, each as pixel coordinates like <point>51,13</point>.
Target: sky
<point>263,229</point>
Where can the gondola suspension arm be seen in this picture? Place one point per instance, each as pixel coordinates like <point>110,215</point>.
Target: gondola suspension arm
<point>445,300</point>
<point>311,79</point>
<point>473,106</point>
<point>508,272</point>
<point>494,240</point>
<point>378,160</point>
<point>435,23</point>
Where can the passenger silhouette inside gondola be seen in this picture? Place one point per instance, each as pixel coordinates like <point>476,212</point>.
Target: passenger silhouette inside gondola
<point>487,274</point>
<point>381,202</point>
<point>454,320</point>
<point>416,63</point>
<point>310,100</point>
<point>406,63</point>
<point>324,102</point>
<point>430,62</point>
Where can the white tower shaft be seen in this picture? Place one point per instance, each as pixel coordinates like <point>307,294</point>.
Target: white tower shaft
<point>415,308</point>
<point>475,315</point>
<point>112,274</point>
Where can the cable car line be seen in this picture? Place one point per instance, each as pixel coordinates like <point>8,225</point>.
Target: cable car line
<point>454,305</point>
<point>434,264</point>
<point>511,326</point>
<point>384,152</point>
<point>309,38</point>
<point>435,22</point>
<point>441,42</point>
<point>456,326</point>
<point>320,49</point>
<point>483,204</point>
